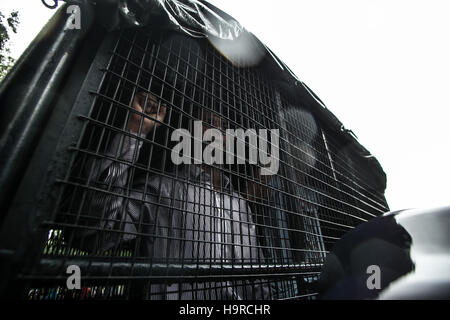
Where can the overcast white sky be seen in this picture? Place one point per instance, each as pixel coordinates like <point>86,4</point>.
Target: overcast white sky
<point>382,67</point>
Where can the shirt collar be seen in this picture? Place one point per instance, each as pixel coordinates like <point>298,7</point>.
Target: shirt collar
<point>198,173</point>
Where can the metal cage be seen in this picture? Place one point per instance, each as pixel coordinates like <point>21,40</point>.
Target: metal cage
<point>112,202</point>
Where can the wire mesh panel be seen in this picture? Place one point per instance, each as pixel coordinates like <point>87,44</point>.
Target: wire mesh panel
<point>144,213</point>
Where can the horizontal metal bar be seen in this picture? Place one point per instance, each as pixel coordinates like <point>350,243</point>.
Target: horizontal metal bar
<point>54,270</point>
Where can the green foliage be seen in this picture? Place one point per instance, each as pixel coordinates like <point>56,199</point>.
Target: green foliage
<point>11,23</point>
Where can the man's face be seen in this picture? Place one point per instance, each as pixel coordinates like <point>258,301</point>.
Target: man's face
<point>213,121</point>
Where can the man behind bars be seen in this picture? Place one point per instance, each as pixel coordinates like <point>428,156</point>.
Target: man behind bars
<point>193,218</point>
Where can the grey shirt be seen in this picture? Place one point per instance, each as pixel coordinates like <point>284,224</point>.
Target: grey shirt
<point>179,218</point>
